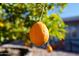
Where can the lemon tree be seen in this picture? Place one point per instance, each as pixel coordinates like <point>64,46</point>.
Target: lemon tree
<point>16,19</point>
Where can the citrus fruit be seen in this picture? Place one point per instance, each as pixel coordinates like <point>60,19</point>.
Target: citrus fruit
<point>49,48</point>
<point>39,34</point>
<point>1,24</point>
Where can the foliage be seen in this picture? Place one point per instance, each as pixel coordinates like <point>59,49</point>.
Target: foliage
<point>16,19</point>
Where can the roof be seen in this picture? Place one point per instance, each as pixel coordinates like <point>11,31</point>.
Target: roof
<point>70,20</point>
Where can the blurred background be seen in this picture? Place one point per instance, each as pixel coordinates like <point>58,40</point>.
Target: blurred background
<point>70,16</point>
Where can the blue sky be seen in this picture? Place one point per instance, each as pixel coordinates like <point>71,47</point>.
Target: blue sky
<point>72,9</point>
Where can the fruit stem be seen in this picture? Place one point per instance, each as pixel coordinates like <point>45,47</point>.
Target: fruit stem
<point>47,43</point>
<point>42,13</point>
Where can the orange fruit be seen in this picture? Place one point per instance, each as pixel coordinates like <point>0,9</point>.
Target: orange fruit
<point>49,48</point>
<point>39,34</point>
